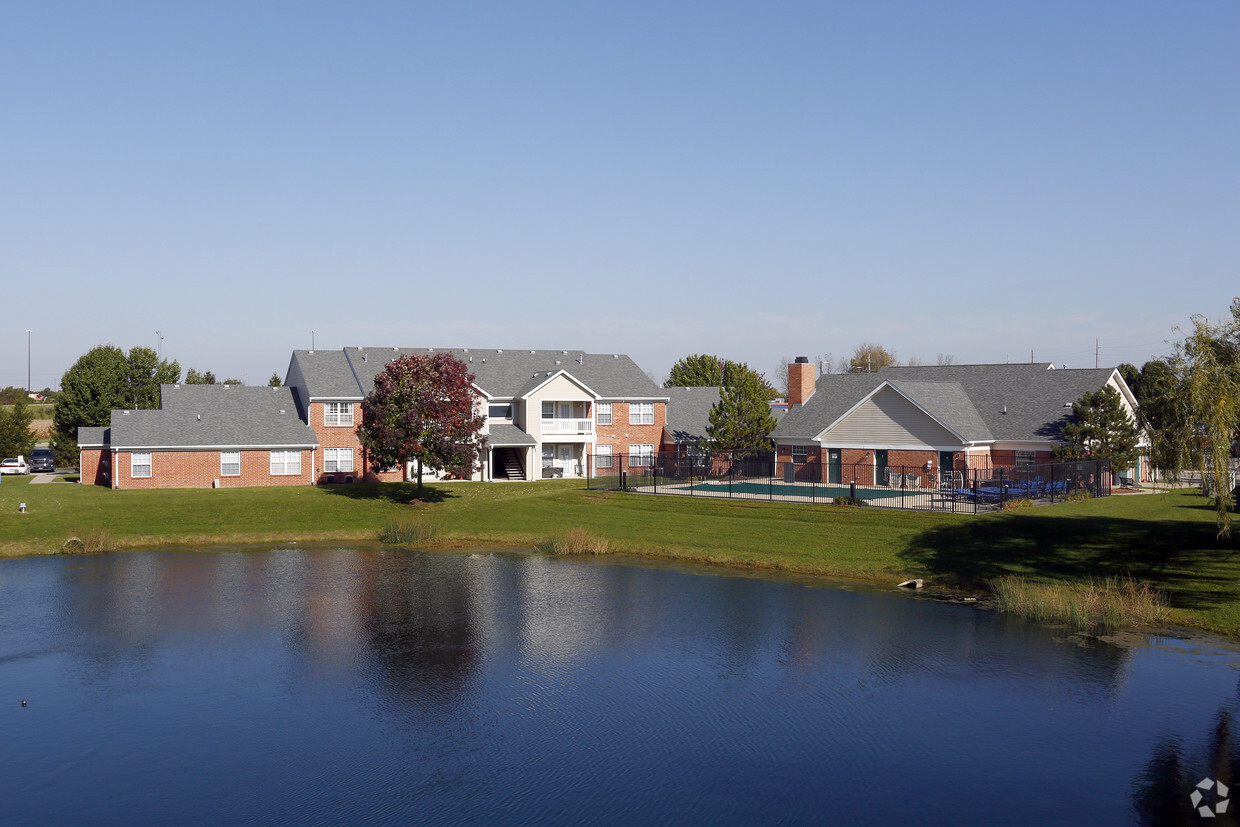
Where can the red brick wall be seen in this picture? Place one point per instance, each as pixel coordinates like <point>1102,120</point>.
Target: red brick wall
<point>615,433</point>
<point>199,469</point>
<point>93,468</point>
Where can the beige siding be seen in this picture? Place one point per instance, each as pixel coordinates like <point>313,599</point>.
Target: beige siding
<point>887,418</point>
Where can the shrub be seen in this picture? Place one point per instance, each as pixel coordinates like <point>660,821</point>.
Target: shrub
<point>574,541</point>
<point>1089,606</point>
<point>1021,503</point>
<point>1078,497</point>
<point>406,532</point>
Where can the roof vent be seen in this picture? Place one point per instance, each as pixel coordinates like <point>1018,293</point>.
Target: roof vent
<point>199,417</point>
<point>802,360</point>
<point>565,352</point>
<point>531,351</point>
<point>615,355</point>
<point>1005,408</point>
<point>499,351</point>
<point>225,387</point>
<point>557,361</point>
<point>281,410</point>
<point>124,413</point>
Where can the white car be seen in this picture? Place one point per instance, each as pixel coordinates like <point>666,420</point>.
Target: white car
<point>14,465</point>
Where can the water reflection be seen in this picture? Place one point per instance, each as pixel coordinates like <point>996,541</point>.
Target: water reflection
<point>455,686</point>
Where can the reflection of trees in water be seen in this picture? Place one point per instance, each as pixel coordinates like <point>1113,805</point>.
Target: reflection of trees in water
<point>420,631</point>
<point>1161,792</point>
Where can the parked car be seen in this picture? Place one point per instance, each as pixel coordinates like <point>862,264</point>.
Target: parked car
<point>42,461</point>
<point>14,465</point>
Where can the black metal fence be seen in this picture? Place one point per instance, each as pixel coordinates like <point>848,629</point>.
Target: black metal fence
<point>763,476</point>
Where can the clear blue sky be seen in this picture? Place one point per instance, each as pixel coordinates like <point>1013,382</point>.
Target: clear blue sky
<point>755,180</point>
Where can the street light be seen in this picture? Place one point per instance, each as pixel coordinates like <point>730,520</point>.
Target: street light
<point>28,361</point>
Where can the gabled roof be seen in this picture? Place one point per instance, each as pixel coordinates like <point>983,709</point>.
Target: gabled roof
<point>326,374</point>
<point>688,412</point>
<point>980,403</point>
<point>215,416</point>
<point>498,373</point>
<point>1018,403</point>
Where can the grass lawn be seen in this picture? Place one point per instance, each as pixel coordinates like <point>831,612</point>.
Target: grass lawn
<point>1165,538</point>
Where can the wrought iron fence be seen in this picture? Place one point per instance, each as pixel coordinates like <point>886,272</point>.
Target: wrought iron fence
<point>763,476</point>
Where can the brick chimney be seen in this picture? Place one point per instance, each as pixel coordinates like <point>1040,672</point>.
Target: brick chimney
<point>800,381</point>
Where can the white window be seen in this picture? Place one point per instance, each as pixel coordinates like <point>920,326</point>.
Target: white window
<point>503,411</point>
<point>641,413</point>
<point>800,454</point>
<point>140,464</point>
<point>640,455</point>
<point>1025,457</point>
<point>548,410</point>
<point>230,463</point>
<point>337,459</point>
<point>337,413</point>
<point>602,456</point>
<point>285,463</point>
<point>604,413</point>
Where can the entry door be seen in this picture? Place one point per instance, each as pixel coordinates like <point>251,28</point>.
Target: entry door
<point>947,464</point>
<point>834,466</point>
<point>880,467</point>
<point>564,458</point>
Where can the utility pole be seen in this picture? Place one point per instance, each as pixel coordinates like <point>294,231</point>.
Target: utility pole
<point>1095,353</point>
<point>27,361</point>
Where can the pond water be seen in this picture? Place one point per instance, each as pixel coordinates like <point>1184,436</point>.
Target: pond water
<point>375,686</point>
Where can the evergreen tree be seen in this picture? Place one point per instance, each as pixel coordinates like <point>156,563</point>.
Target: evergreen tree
<point>742,419</point>
<point>1101,429</point>
<point>275,381</point>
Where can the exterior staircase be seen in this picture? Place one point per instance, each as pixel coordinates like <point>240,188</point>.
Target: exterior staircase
<point>507,465</point>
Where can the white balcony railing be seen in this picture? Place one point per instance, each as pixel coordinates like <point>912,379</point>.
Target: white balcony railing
<point>568,426</point>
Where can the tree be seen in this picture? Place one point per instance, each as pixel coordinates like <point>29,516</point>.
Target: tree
<point>705,371</point>
<point>193,377</point>
<point>145,372</point>
<point>423,409</point>
<point>1207,365</point>
<point>697,371</point>
<point>100,381</point>
<point>16,436</point>
<point>1102,429</point>
<point>275,381</point>
<point>869,357</point>
<point>741,420</point>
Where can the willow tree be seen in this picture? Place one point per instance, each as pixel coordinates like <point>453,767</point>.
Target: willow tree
<point>1208,363</point>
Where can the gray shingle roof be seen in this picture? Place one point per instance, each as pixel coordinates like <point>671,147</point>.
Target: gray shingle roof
<point>214,416</point>
<point>688,412</point>
<point>92,437</point>
<point>504,434</point>
<point>1007,403</point>
<point>501,373</point>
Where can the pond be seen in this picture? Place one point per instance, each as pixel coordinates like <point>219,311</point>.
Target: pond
<point>366,685</point>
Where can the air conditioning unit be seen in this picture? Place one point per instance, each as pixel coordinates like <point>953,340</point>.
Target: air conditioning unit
<point>215,483</point>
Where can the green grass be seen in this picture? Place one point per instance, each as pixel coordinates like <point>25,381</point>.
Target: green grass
<point>1166,539</point>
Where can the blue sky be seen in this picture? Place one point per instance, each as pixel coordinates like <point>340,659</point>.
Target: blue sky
<point>755,180</point>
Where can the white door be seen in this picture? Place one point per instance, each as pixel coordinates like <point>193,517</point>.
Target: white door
<point>565,459</point>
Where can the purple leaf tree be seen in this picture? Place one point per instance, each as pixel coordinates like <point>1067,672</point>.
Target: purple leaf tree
<point>423,409</point>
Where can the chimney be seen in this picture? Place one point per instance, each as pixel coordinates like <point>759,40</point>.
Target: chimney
<point>800,381</point>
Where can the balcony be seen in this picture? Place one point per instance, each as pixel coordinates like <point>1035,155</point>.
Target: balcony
<point>568,426</point>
